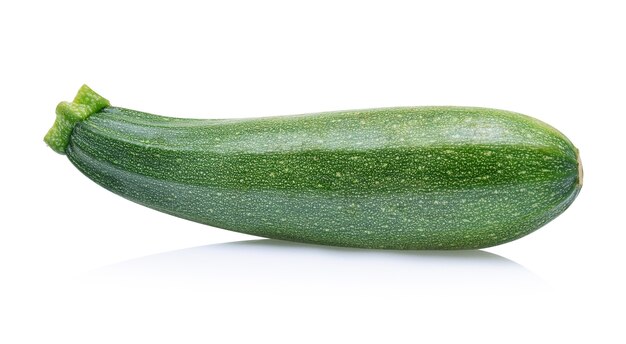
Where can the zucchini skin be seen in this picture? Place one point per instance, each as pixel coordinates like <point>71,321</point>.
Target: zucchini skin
<point>393,178</point>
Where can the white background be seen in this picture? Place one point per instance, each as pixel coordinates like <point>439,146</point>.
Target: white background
<point>81,265</point>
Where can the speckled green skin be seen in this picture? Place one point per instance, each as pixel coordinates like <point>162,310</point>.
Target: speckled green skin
<point>394,178</point>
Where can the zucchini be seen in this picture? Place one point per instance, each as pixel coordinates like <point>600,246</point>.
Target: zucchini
<point>393,178</point>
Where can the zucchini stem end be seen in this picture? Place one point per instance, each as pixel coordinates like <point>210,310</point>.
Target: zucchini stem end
<point>68,114</point>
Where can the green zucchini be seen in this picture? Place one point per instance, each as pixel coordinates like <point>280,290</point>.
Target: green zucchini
<point>393,178</point>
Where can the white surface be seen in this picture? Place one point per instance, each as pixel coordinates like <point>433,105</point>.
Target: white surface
<point>81,265</point>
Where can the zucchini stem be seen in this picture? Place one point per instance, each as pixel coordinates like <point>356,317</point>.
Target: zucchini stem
<point>86,103</point>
